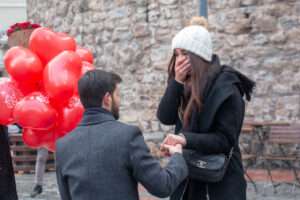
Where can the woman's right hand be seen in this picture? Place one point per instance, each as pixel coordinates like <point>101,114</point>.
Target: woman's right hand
<point>182,69</point>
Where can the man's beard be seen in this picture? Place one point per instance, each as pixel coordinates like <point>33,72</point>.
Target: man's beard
<point>115,110</point>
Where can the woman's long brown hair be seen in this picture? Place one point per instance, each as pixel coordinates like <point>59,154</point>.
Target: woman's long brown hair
<point>194,86</point>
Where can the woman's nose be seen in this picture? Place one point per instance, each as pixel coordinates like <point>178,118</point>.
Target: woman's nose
<point>181,57</point>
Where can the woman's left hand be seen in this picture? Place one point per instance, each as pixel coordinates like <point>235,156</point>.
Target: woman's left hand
<point>173,140</point>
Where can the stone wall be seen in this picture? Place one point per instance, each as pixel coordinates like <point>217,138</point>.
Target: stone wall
<point>133,37</point>
<point>262,38</point>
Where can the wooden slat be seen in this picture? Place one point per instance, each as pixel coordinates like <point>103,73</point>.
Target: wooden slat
<point>15,138</point>
<point>284,141</point>
<point>274,157</point>
<point>247,130</point>
<point>21,148</point>
<point>27,158</point>
<point>285,131</point>
<point>248,156</point>
<point>287,135</point>
<point>24,158</point>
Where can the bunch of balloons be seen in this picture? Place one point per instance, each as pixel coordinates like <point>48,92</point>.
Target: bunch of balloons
<point>41,94</point>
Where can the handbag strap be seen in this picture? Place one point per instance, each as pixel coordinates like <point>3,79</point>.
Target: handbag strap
<point>231,153</point>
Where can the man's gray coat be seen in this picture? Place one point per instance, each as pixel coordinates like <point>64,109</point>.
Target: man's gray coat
<point>104,159</point>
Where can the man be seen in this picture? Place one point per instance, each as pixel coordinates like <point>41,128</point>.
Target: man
<point>8,189</point>
<point>105,159</point>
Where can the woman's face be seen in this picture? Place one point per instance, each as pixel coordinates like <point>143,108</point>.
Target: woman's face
<point>180,55</point>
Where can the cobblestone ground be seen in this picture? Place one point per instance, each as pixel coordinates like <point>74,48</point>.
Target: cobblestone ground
<point>265,191</point>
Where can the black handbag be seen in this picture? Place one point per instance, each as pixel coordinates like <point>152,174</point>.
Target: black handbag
<point>207,168</point>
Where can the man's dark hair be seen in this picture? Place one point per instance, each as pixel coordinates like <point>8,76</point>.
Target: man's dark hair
<point>93,86</point>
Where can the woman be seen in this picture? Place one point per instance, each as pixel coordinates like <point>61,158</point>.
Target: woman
<point>7,178</point>
<point>205,101</point>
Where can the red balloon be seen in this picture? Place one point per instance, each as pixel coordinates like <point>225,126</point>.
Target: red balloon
<point>48,44</point>
<point>61,76</point>
<point>85,54</point>
<point>69,117</point>
<point>50,146</point>
<point>9,97</point>
<point>35,112</point>
<point>23,65</point>
<point>36,138</point>
<point>86,66</point>
<point>27,88</point>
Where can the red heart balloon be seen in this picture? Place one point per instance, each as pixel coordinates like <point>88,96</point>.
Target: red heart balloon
<point>36,138</point>
<point>85,54</point>
<point>61,76</point>
<point>35,112</point>
<point>9,97</point>
<point>69,117</point>
<point>27,88</point>
<point>48,44</point>
<point>23,65</point>
<point>86,66</point>
<point>50,146</point>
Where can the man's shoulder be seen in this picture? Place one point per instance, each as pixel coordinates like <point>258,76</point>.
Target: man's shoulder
<point>129,129</point>
<point>119,128</point>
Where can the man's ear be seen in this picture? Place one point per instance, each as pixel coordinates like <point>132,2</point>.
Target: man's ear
<point>106,100</point>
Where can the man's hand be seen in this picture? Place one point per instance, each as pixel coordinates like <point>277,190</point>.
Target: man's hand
<point>173,139</point>
<point>170,150</point>
<point>170,142</point>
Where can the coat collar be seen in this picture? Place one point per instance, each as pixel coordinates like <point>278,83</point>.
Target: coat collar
<point>96,116</point>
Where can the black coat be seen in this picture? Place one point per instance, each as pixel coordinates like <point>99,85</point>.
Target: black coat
<point>213,130</point>
<point>7,178</point>
<point>105,159</point>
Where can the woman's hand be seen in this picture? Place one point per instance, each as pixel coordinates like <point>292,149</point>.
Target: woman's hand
<point>182,68</point>
<point>172,141</point>
<point>168,150</point>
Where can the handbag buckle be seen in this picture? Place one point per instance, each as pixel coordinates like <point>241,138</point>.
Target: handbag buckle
<point>201,164</point>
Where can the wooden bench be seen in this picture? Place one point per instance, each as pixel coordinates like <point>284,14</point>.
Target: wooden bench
<point>258,134</point>
<point>24,158</point>
<point>283,135</point>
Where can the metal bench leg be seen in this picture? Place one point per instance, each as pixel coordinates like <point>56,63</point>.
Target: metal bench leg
<point>271,177</point>
<point>290,165</point>
<point>251,181</point>
<point>261,138</point>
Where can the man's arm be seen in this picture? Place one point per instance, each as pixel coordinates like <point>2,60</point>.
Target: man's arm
<point>159,181</point>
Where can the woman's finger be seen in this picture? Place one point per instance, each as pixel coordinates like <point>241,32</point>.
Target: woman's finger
<point>182,64</point>
<point>180,61</point>
<point>185,69</point>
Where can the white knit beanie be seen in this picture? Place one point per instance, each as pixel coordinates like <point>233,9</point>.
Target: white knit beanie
<point>195,39</point>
